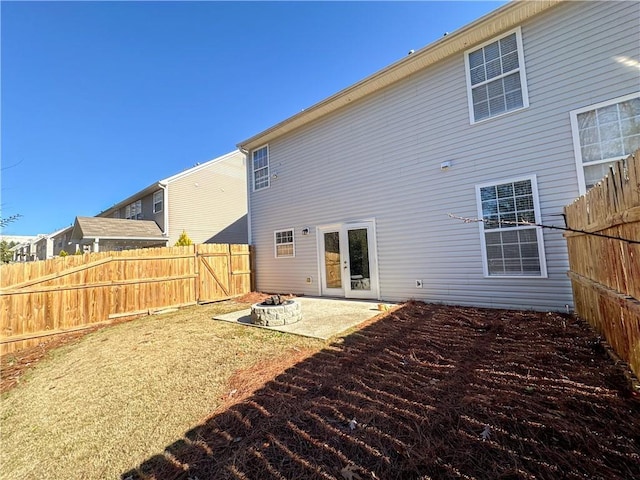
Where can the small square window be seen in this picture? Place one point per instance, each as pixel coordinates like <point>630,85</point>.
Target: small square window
<point>284,243</point>
<point>133,211</point>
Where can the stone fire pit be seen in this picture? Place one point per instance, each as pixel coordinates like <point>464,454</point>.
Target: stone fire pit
<point>276,311</point>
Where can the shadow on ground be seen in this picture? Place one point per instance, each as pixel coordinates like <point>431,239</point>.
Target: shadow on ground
<point>429,392</point>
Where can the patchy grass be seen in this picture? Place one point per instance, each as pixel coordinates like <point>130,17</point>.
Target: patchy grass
<point>105,403</point>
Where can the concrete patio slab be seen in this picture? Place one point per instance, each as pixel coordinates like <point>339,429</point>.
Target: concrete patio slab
<point>321,317</point>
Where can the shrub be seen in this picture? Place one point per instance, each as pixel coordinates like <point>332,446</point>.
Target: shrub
<point>184,240</point>
<point>63,253</point>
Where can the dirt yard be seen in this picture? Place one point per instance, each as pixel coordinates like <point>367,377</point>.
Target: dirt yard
<point>427,392</point>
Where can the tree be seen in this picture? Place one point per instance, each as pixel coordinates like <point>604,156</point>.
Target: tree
<point>6,221</point>
<point>6,255</point>
<point>184,240</point>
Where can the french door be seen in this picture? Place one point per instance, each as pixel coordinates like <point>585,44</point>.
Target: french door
<point>348,265</point>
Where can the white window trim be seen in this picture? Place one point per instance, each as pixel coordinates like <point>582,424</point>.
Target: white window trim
<point>577,149</point>
<point>536,209</point>
<point>253,170</point>
<point>521,69</point>
<point>161,202</point>
<point>293,243</point>
<point>135,207</point>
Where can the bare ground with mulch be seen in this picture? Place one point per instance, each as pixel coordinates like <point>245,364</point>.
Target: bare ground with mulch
<point>427,391</point>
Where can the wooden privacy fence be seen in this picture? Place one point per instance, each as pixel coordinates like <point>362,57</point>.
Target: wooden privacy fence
<point>605,272</point>
<point>54,296</point>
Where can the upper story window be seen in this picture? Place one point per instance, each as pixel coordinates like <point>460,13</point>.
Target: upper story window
<point>157,201</point>
<point>602,134</point>
<point>284,243</point>
<point>496,79</point>
<point>260,159</point>
<point>510,246</point>
<point>133,211</point>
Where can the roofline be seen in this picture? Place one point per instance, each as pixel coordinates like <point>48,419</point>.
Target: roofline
<point>141,193</point>
<point>502,19</point>
<point>163,183</point>
<point>191,170</point>
<point>57,232</point>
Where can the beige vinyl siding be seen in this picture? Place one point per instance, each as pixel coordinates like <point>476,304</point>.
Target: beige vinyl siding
<point>380,158</point>
<point>210,203</point>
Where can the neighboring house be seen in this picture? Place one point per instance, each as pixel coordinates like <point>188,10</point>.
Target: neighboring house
<point>50,245</point>
<point>96,234</point>
<point>20,248</point>
<point>62,241</point>
<point>208,201</point>
<point>17,238</point>
<point>26,251</point>
<point>509,118</point>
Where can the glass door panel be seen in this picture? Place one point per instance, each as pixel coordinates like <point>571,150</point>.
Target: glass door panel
<point>359,259</point>
<point>347,260</point>
<point>333,276</point>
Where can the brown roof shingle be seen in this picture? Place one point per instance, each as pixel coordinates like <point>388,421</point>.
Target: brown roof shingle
<point>100,227</point>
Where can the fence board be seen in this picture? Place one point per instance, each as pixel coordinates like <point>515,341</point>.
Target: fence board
<point>605,272</point>
<point>55,296</point>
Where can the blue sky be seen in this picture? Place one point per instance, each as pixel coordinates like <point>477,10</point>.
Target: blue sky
<point>101,99</point>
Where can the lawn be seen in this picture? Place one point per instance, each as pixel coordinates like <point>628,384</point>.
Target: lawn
<point>102,405</point>
<point>426,391</point>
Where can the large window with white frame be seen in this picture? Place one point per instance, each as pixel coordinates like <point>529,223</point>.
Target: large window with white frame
<point>158,199</point>
<point>284,243</point>
<point>602,134</point>
<point>133,211</point>
<point>511,244</point>
<point>260,158</point>
<point>496,78</point>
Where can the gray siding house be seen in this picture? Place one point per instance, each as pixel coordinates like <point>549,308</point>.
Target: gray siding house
<point>50,245</point>
<point>507,119</point>
<point>208,201</point>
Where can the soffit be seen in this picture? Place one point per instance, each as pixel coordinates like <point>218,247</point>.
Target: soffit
<point>483,29</point>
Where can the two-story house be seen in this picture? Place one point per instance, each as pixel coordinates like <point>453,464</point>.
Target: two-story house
<point>506,120</point>
<point>50,245</point>
<point>208,202</point>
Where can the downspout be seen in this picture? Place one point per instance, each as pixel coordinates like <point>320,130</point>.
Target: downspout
<point>249,183</point>
<point>165,209</point>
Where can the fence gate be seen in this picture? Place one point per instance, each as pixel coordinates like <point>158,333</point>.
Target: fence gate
<point>223,271</point>
<point>56,296</point>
